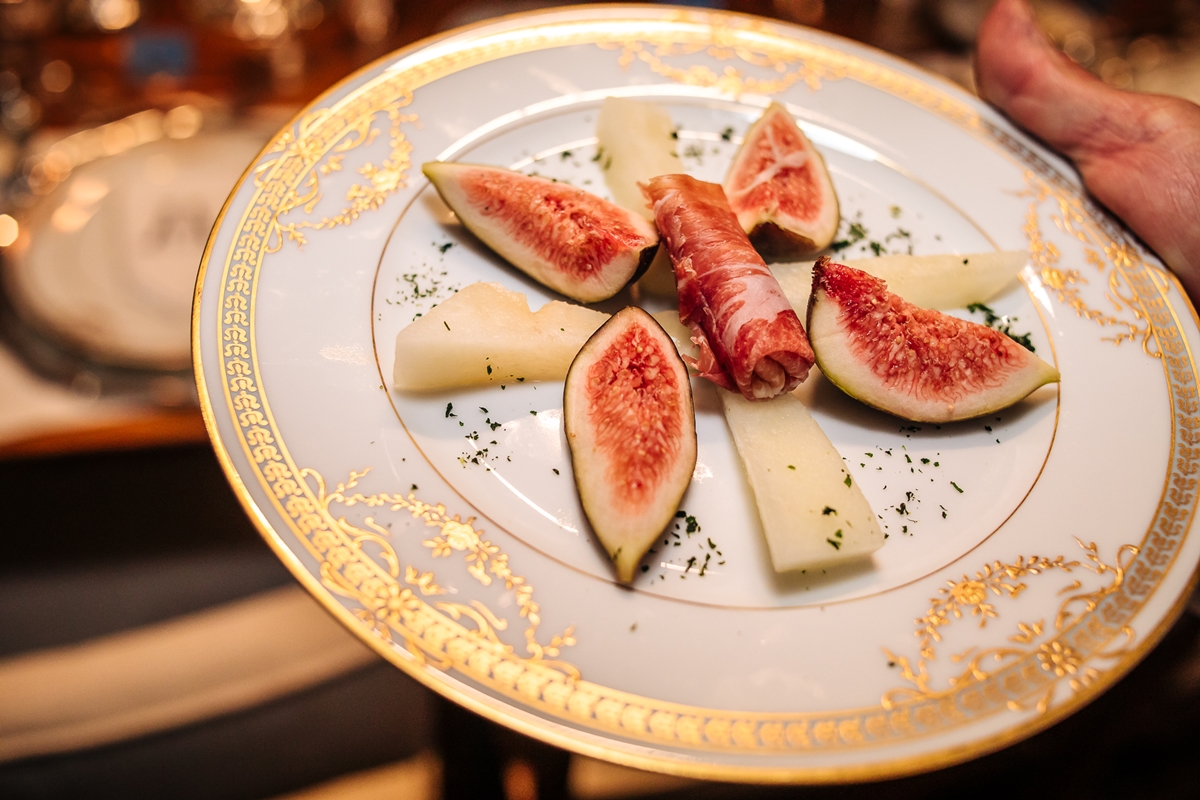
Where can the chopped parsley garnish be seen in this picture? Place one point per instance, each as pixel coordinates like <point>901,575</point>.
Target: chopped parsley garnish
<point>450,411</point>
<point>827,511</point>
<point>847,481</point>
<point>1001,324</point>
<point>956,487</point>
<point>835,544</point>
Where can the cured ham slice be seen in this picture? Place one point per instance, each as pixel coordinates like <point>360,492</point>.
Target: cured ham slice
<point>750,339</point>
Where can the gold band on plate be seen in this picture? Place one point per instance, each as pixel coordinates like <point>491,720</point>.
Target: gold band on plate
<point>397,605</point>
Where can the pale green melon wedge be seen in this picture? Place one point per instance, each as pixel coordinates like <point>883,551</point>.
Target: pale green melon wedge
<point>943,281</point>
<point>678,332</point>
<point>812,511</point>
<point>486,334</point>
<point>635,144</point>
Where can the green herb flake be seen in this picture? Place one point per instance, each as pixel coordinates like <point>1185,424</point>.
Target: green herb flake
<point>835,544</point>
<point>827,511</point>
<point>956,487</point>
<point>791,467</point>
<point>1001,324</point>
<point>489,369</point>
<point>450,410</point>
<point>847,481</point>
<point>555,471</point>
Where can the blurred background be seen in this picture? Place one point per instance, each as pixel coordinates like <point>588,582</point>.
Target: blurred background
<point>149,651</point>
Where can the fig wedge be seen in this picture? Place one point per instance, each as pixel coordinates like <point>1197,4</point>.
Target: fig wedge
<point>569,240</point>
<point>918,364</point>
<point>631,429</point>
<point>780,190</point>
<point>941,281</point>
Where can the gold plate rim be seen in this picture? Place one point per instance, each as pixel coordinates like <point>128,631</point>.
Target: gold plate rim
<point>580,740</point>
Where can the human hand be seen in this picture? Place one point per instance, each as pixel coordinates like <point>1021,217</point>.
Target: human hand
<point>1138,154</point>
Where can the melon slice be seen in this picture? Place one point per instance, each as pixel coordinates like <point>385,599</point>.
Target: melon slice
<point>486,334</point>
<point>636,142</point>
<point>780,190</point>
<point>631,428</point>
<point>916,363</point>
<point>941,281</point>
<point>570,240</point>
<point>813,513</point>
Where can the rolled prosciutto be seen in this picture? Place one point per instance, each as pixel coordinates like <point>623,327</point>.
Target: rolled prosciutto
<point>749,337</point>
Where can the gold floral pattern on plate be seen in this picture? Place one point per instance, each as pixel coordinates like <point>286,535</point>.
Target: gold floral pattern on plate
<point>400,602</point>
<point>1059,657</point>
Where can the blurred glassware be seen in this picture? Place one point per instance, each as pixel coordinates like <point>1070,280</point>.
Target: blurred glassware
<point>98,275</point>
<point>27,18</point>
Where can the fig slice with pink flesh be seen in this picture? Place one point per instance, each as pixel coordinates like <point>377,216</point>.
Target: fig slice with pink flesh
<point>631,429</point>
<point>563,237</point>
<point>780,190</point>
<point>916,363</point>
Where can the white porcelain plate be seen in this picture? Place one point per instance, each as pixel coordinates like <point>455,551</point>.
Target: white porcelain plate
<point>1032,556</point>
